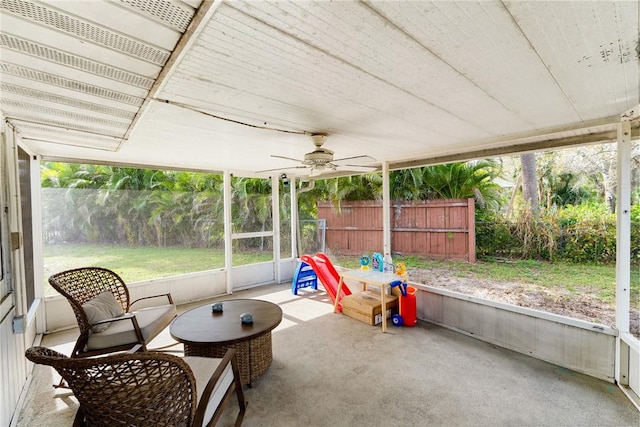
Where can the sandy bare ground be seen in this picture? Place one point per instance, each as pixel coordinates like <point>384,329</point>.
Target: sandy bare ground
<point>578,305</point>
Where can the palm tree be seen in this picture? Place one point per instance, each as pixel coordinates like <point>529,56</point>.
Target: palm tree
<point>448,181</point>
<point>356,187</point>
<point>407,184</point>
<point>208,207</point>
<point>251,201</point>
<point>463,180</point>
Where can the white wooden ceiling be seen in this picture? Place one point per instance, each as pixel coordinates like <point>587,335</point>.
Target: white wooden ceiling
<point>224,85</point>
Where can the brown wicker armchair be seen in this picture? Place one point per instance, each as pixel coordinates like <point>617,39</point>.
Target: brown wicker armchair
<point>101,304</point>
<point>148,388</point>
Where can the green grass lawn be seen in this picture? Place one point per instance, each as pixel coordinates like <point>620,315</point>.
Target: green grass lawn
<point>573,277</point>
<point>139,263</point>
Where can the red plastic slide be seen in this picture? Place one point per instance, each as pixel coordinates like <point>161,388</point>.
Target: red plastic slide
<point>328,276</point>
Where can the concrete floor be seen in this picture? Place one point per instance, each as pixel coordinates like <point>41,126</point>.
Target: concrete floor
<point>331,370</point>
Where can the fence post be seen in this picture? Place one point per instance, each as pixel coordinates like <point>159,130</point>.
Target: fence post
<point>471,225</point>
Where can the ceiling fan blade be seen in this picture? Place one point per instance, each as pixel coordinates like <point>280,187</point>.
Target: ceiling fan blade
<point>358,168</point>
<point>282,169</point>
<point>286,158</point>
<point>363,159</point>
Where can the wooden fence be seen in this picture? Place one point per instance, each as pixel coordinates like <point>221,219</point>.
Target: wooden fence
<point>434,228</point>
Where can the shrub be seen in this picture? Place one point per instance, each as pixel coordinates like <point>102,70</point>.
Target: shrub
<point>581,234</point>
<point>635,214</point>
<point>497,238</point>
<point>589,241</point>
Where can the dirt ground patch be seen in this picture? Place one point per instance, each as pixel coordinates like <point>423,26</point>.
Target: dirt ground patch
<point>579,304</point>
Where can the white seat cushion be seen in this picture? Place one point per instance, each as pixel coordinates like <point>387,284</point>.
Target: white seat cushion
<point>151,320</point>
<point>203,368</point>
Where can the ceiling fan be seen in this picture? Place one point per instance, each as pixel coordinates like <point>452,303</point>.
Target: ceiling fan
<point>321,160</point>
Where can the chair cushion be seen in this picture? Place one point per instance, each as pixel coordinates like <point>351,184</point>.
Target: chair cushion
<point>152,321</point>
<point>203,368</point>
<point>104,306</point>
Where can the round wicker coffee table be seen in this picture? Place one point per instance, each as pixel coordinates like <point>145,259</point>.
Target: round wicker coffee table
<point>209,334</point>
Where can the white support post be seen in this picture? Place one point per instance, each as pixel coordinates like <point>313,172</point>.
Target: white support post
<point>275,227</point>
<point>623,256</point>
<point>294,218</point>
<point>228,230</point>
<point>623,217</point>
<point>386,209</point>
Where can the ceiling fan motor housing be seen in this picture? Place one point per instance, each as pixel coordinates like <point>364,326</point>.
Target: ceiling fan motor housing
<point>319,156</point>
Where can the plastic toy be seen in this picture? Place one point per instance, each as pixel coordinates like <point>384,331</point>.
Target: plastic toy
<point>328,276</point>
<point>377,263</point>
<point>400,285</point>
<point>401,270</point>
<point>388,263</point>
<point>407,315</point>
<point>304,277</point>
<point>396,319</point>
<point>365,261</point>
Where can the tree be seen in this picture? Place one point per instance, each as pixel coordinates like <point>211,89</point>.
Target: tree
<point>449,181</point>
<point>600,163</point>
<point>463,180</point>
<point>530,182</point>
<point>594,168</point>
<point>407,184</point>
<point>560,184</point>
<point>251,201</point>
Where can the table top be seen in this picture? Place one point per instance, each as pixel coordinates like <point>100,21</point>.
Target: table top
<point>373,277</point>
<point>201,326</point>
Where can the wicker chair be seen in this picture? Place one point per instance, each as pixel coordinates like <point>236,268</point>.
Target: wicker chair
<point>109,333</point>
<point>148,388</point>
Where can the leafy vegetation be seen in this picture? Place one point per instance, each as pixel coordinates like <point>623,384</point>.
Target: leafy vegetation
<point>111,205</point>
<point>142,207</point>
<point>581,234</point>
<point>138,207</point>
<point>450,181</point>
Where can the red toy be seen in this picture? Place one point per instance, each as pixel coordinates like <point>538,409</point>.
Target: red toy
<point>408,312</point>
<point>328,276</point>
